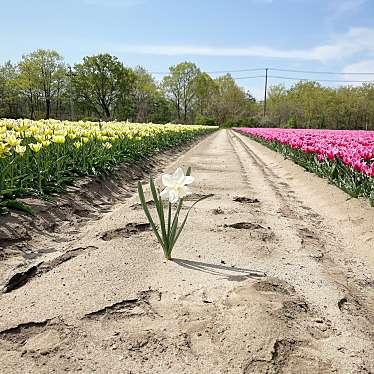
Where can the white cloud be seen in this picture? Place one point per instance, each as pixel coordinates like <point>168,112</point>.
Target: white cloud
<point>364,66</point>
<point>356,40</point>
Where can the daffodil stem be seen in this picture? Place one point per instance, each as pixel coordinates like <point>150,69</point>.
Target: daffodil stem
<point>169,219</point>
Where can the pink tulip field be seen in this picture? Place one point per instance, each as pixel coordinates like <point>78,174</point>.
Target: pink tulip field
<point>345,157</point>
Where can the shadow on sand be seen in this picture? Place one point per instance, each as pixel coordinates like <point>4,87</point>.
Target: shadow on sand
<point>231,273</point>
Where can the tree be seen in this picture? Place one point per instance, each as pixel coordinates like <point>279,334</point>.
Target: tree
<point>41,73</point>
<point>205,88</point>
<point>230,100</point>
<point>145,94</point>
<point>10,105</point>
<point>278,107</point>
<point>27,83</point>
<point>179,87</point>
<point>104,85</point>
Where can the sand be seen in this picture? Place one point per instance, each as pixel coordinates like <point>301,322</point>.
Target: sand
<point>273,274</point>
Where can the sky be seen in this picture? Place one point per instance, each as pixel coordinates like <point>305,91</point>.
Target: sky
<point>218,35</point>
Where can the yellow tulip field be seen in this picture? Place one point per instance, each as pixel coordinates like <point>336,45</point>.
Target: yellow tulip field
<point>38,157</point>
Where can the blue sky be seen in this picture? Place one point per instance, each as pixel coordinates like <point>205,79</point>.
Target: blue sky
<point>322,35</point>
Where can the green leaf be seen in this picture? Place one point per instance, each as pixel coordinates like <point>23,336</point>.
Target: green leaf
<point>148,214</point>
<point>172,235</point>
<point>160,211</point>
<point>174,224</point>
<point>17,205</point>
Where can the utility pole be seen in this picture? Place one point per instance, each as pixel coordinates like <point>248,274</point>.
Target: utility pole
<point>266,89</point>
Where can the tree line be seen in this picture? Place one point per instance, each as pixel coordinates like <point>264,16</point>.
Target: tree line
<point>310,105</point>
<point>101,87</point>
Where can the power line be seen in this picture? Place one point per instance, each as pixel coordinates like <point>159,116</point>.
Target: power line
<point>252,77</point>
<point>319,72</point>
<point>274,69</point>
<point>319,80</point>
<point>213,72</point>
<point>305,79</point>
<point>234,71</point>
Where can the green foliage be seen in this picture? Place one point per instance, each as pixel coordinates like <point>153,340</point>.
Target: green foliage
<point>42,76</point>
<point>102,88</point>
<point>291,123</point>
<point>180,87</point>
<point>205,120</point>
<point>89,119</point>
<point>103,84</point>
<point>310,105</point>
<point>241,122</point>
<point>231,105</point>
<point>16,205</point>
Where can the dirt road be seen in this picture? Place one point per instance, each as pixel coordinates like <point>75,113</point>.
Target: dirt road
<point>273,274</point>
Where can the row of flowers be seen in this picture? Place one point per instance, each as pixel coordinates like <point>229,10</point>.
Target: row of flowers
<point>41,156</point>
<point>354,148</point>
<point>345,157</point>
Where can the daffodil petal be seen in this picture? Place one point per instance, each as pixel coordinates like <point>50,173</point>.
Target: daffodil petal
<point>188,179</point>
<point>164,194</point>
<point>178,175</point>
<point>167,179</point>
<point>173,197</point>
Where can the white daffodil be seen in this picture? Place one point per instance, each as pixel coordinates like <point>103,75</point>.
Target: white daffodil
<point>175,189</point>
<point>175,185</point>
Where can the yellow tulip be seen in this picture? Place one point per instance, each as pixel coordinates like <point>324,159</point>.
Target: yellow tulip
<point>13,141</point>
<point>4,149</point>
<point>20,149</point>
<point>36,147</point>
<point>59,139</point>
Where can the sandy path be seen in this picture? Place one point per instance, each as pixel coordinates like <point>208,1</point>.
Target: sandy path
<point>279,281</point>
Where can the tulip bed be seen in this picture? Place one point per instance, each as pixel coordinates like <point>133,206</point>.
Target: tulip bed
<point>39,157</point>
<point>345,157</point>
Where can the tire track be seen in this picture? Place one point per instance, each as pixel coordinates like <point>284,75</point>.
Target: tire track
<point>303,254</point>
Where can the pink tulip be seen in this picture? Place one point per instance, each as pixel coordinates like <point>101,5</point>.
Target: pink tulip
<point>353,148</point>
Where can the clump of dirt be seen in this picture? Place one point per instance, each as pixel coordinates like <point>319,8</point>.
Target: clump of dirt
<point>217,211</point>
<point>245,200</point>
<point>274,285</point>
<point>292,309</point>
<point>256,231</point>
<point>245,226</point>
<point>126,232</point>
